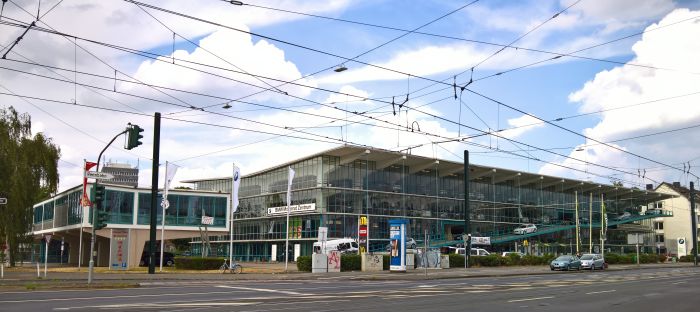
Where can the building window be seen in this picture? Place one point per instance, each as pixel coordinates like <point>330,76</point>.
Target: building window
<point>659,238</point>
<point>659,205</point>
<point>658,225</point>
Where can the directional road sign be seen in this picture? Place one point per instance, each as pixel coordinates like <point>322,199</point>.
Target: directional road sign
<point>99,175</point>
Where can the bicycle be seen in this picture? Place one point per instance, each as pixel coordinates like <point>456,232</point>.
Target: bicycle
<point>235,268</point>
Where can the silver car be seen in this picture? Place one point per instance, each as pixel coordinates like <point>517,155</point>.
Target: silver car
<point>592,262</point>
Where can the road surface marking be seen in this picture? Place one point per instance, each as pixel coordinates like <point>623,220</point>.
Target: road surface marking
<point>530,299</point>
<point>262,289</point>
<point>600,292</point>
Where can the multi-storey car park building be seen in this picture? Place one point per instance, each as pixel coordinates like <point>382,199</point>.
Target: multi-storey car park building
<point>334,188</point>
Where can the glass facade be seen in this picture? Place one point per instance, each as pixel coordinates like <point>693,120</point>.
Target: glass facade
<point>184,210</point>
<point>428,195</point>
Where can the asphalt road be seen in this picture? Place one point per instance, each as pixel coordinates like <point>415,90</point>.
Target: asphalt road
<point>675,289</point>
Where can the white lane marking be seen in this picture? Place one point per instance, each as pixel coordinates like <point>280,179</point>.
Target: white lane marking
<point>163,305</point>
<point>681,282</point>
<point>600,292</point>
<point>426,286</point>
<point>114,297</point>
<point>262,290</point>
<point>530,299</point>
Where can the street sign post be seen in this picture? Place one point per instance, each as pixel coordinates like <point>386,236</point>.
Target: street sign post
<point>99,175</point>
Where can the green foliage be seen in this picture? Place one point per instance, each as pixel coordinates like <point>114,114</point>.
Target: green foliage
<point>29,171</point>
<point>304,263</point>
<point>350,262</point>
<point>456,261</point>
<point>688,258</point>
<point>196,263</point>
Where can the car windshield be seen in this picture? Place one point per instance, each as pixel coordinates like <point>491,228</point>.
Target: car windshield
<point>563,258</point>
<point>587,257</point>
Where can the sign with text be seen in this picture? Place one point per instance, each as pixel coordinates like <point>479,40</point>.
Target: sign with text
<point>363,233</point>
<point>99,175</point>
<point>397,241</point>
<point>119,249</point>
<point>481,240</point>
<point>293,209</point>
<point>207,220</point>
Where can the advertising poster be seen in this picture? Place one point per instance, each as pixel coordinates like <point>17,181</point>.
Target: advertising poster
<point>397,241</point>
<point>120,249</point>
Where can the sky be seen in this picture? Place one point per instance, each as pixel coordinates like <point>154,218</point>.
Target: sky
<point>617,82</point>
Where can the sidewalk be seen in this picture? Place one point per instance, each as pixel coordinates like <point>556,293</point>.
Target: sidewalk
<point>72,278</point>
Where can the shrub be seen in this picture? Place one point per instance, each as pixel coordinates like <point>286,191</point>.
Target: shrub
<point>304,263</point>
<point>490,260</point>
<point>456,261</point>
<point>662,258</point>
<point>350,262</point>
<point>197,263</point>
<point>511,259</point>
<point>648,258</point>
<point>688,258</point>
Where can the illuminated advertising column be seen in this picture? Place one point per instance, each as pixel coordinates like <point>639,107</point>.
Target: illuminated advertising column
<point>364,234</point>
<point>397,241</point>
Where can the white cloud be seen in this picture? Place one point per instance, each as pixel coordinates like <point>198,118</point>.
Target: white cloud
<point>521,125</point>
<point>626,85</point>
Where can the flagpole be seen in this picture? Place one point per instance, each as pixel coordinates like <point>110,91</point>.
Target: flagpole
<point>162,226</point>
<point>590,224</point>
<point>578,228</point>
<point>82,215</point>
<point>289,199</point>
<point>230,226</point>
<point>602,226</point>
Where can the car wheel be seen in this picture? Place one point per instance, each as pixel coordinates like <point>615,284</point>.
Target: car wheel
<point>567,267</point>
<point>413,246</point>
<point>142,263</point>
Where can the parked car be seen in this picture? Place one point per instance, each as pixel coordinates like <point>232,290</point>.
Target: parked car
<point>525,229</point>
<point>168,259</point>
<point>592,262</point>
<point>478,252</point>
<point>565,262</point>
<point>507,253</point>
<point>624,216</point>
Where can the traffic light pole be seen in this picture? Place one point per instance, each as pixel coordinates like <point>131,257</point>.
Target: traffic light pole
<point>467,231</point>
<point>154,195</point>
<point>97,205</point>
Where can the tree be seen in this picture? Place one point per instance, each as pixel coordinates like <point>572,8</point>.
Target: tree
<point>28,174</point>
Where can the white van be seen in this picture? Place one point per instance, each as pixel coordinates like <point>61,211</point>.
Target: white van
<point>344,245</point>
<point>474,252</point>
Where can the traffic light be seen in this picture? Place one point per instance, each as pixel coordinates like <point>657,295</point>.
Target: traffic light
<point>133,136</point>
<point>101,220</point>
<point>99,193</point>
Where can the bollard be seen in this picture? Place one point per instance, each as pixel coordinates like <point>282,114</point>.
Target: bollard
<point>38,272</point>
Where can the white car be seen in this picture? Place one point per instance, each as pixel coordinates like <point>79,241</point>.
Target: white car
<point>525,229</point>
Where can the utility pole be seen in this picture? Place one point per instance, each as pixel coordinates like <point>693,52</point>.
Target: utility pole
<point>154,195</point>
<point>466,235</point>
<point>95,206</point>
<point>694,224</point>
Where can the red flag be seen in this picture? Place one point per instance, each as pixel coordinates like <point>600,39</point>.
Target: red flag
<point>86,200</point>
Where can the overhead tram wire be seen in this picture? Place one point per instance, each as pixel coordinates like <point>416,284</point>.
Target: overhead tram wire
<point>327,53</point>
<point>451,37</point>
<point>334,141</point>
<point>394,126</point>
<point>93,55</point>
<point>570,54</point>
<point>68,124</point>
<point>206,50</point>
<point>468,127</point>
<point>347,59</point>
<point>498,51</point>
<point>330,138</point>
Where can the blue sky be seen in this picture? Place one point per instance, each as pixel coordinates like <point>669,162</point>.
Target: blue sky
<point>553,89</point>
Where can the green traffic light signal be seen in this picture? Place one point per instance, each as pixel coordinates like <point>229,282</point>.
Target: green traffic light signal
<point>133,136</point>
<point>99,192</point>
<point>101,220</point>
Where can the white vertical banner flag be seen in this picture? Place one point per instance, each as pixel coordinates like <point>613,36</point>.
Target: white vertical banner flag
<point>289,204</point>
<point>289,187</point>
<point>236,184</point>
<point>170,170</point>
